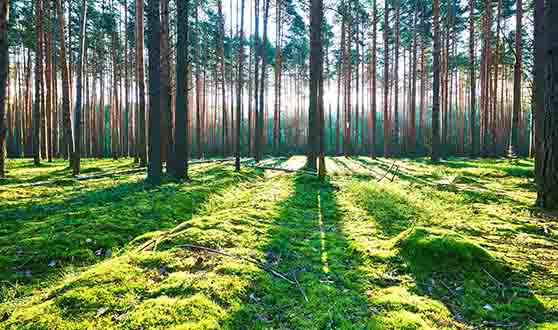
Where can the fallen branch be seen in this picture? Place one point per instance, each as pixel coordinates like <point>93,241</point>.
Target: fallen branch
<point>387,172</point>
<point>254,262</point>
<point>395,173</point>
<point>500,284</point>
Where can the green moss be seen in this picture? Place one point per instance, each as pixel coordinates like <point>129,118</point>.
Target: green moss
<point>448,245</point>
<point>430,251</point>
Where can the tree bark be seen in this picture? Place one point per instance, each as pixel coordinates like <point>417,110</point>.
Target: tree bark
<point>78,105</point>
<point>436,83</point>
<point>239,87</point>
<point>4,61</point>
<point>315,61</point>
<point>538,85</point>
<point>548,165</point>
<point>386,81</point>
<point>260,144</point>
<point>140,80</point>
<point>37,118</point>
<point>517,79</point>
<point>180,165</point>
<point>154,167</point>
<point>472,82</point>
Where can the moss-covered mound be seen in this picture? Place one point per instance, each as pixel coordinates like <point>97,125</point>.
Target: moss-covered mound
<point>428,251</point>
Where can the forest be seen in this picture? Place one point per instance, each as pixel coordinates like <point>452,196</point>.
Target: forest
<point>279,164</point>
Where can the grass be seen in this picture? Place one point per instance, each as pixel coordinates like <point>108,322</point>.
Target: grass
<point>448,245</point>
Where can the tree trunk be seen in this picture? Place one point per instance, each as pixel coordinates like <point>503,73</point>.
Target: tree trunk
<point>38,83</point>
<point>140,80</point>
<point>436,83</point>
<point>517,80</point>
<point>548,164</point>
<point>260,116</point>
<point>221,55</point>
<point>154,43</point>
<point>180,165</point>
<point>472,82</point>
<point>395,141</point>
<point>239,87</point>
<point>386,81</point>
<point>413,100</point>
<point>4,61</point>
<point>78,105</point>
<point>538,86</point>
<point>314,116</point>
<point>372,133</point>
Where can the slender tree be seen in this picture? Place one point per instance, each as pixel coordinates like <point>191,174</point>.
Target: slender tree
<point>472,81</point>
<point>436,82</point>
<point>78,104</point>
<point>36,136</point>
<point>517,79</point>
<point>154,43</point>
<point>395,142</point>
<point>140,80</point>
<point>313,111</point>
<point>239,87</point>
<point>4,60</point>
<point>386,81</point>
<point>182,148</point>
<point>260,114</point>
<point>538,85</point>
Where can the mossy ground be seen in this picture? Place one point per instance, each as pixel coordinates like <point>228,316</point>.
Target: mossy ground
<point>448,245</point>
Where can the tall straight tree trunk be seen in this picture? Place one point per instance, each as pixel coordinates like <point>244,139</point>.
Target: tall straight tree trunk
<point>386,81</point>
<point>154,167</point>
<point>395,141</point>
<point>50,103</point>
<point>115,104</point>
<point>180,165</point>
<point>239,87</point>
<point>78,105</point>
<point>4,61</point>
<point>68,145</point>
<point>548,163</point>
<point>413,99</point>
<point>127,108</point>
<point>436,83</point>
<point>472,82</point>
<point>260,117</point>
<point>340,68</point>
<point>221,55</point>
<point>38,83</point>
<point>277,85</point>
<point>373,74</point>
<point>166,97</point>
<point>256,76</point>
<point>140,80</point>
<point>313,109</point>
<point>517,79</point>
<point>348,81</point>
<point>198,88</point>
<point>538,87</point>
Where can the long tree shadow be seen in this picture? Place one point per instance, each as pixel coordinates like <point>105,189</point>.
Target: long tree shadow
<point>475,287</point>
<point>57,172</point>
<point>37,240</point>
<point>308,245</point>
<point>467,185</point>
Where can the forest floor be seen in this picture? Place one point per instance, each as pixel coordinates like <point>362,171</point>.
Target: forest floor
<point>451,245</point>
